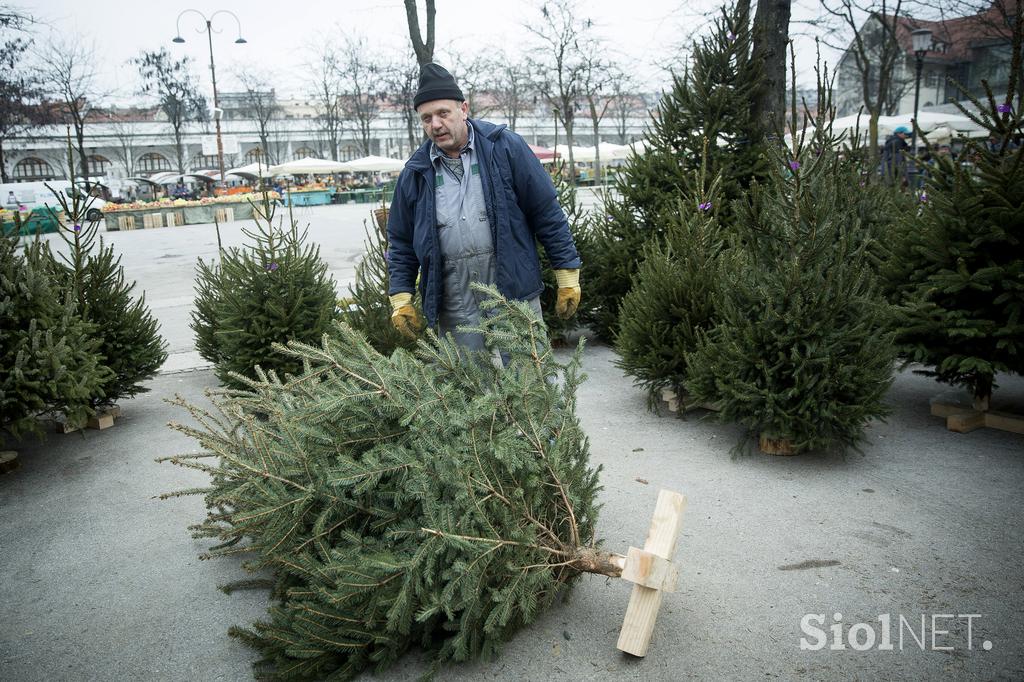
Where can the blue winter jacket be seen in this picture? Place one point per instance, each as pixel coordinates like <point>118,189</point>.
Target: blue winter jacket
<point>522,207</point>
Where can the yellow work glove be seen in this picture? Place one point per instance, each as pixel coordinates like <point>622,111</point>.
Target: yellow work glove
<point>404,316</point>
<point>568,293</point>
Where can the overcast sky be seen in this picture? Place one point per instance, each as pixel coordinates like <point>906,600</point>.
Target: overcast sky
<point>279,33</point>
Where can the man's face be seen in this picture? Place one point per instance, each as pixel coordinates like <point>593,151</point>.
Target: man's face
<point>444,122</point>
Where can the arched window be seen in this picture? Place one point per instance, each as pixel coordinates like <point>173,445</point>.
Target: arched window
<point>304,152</point>
<point>205,162</point>
<point>98,165</point>
<point>253,155</point>
<point>32,168</point>
<point>152,162</point>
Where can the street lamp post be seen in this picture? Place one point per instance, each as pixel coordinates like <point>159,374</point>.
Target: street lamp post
<point>922,42</point>
<point>209,30</point>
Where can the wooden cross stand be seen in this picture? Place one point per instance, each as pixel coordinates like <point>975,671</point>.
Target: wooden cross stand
<point>967,418</point>
<point>652,573</point>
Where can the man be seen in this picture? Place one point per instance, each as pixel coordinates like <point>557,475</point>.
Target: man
<point>468,207</point>
<point>894,157</point>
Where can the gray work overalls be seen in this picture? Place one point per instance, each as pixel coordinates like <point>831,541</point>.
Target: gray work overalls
<point>467,248</point>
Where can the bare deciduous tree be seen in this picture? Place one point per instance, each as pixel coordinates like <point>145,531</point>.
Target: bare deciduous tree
<point>177,90</point>
<point>626,101</point>
<point>20,88</point>
<point>362,78</point>
<point>401,78</point>
<point>262,106</point>
<point>68,75</point>
<point>125,132</point>
<point>474,72</point>
<point>596,77</point>
<point>559,63</point>
<point>326,92</point>
<point>511,89</point>
<point>874,52</point>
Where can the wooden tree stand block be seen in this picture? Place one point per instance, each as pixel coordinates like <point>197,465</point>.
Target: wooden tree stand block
<point>104,417</point>
<point>964,418</point>
<point>8,461</point>
<point>126,222</point>
<point>175,218</point>
<point>652,573</point>
<point>771,445</point>
<point>677,403</point>
<point>151,220</point>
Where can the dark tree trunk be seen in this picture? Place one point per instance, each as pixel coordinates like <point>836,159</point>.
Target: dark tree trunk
<point>3,164</point>
<point>424,49</point>
<point>771,37</point>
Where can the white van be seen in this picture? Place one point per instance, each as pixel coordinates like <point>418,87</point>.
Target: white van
<point>37,195</point>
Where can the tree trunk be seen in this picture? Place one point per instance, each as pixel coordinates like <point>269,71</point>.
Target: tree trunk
<point>179,149</point>
<point>593,560</point>
<point>771,36</point>
<point>80,137</point>
<point>3,164</point>
<point>424,49</point>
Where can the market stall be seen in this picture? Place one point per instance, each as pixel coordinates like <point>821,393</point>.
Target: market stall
<point>171,213</point>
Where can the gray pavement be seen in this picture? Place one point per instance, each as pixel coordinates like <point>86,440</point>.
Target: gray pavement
<point>102,582</point>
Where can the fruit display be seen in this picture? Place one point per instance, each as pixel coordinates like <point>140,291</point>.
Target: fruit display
<point>256,197</point>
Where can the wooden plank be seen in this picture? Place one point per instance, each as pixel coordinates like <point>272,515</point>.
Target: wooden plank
<point>644,603</point>
<point>965,422</point>
<point>649,570</point>
<point>101,421</point>
<point>8,461</point>
<point>775,446</point>
<point>1005,422</point>
<point>940,408</point>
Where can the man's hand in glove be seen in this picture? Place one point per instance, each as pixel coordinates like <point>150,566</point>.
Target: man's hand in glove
<point>404,316</point>
<point>568,293</point>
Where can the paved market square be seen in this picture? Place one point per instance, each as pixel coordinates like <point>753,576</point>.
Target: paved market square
<point>102,580</point>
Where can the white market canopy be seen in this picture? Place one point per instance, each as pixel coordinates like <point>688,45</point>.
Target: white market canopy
<point>613,152</point>
<point>253,170</point>
<point>307,166</point>
<point>373,164</point>
<point>943,124</point>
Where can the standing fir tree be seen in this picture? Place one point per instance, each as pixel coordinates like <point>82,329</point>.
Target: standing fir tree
<point>130,345</point>
<point>49,357</point>
<point>425,498</point>
<point>273,290</point>
<point>579,221</point>
<point>711,101</point>
<point>671,299</point>
<point>800,354</point>
<point>368,307</point>
<point>959,274</point>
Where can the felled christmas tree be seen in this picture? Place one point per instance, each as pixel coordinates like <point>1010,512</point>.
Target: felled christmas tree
<point>671,300</point>
<point>425,498</point>
<point>49,357</point>
<point>960,272</point>
<point>711,101</point>
<point>799,354</point>
<point>273,290</point>
<point>130,345</point>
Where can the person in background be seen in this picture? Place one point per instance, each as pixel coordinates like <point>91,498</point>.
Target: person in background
<point>469,207</point>
<point>894,157</point>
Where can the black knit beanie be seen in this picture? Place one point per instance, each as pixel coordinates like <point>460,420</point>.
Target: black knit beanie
<point>436,83</point>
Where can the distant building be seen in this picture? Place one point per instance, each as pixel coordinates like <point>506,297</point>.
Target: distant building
<point>130,142</point>
<point>965,50</point>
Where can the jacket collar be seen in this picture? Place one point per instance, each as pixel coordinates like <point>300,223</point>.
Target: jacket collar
<point>484,136</point>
